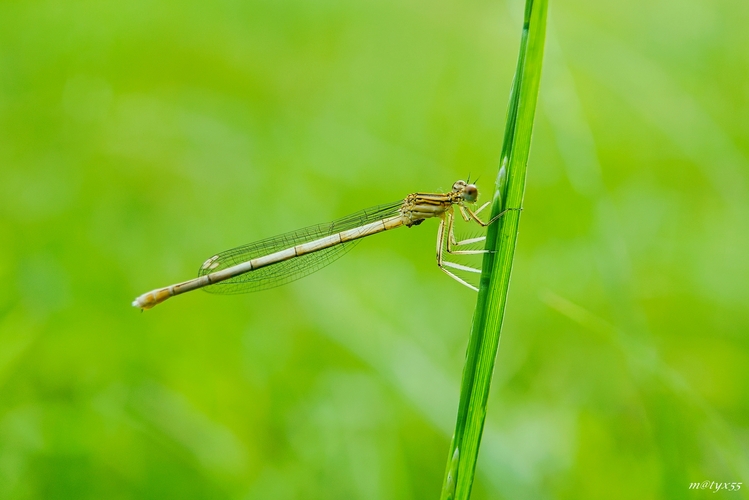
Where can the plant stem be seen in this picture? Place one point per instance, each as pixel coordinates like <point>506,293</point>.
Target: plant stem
<point>497,265</point>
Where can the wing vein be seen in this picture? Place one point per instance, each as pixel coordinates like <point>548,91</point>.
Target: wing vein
<point>289,270</point>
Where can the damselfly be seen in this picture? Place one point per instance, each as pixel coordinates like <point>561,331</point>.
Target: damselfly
<point>279,260</point>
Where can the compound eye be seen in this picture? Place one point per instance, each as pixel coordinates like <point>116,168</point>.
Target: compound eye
<point>470,193</point>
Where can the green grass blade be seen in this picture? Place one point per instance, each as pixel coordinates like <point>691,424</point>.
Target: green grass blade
<point>497,265</point>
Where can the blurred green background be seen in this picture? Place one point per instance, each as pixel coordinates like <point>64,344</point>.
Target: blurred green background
<point>139,138</point>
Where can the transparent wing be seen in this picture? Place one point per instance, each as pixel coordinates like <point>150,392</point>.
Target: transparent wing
<point>289,270</point>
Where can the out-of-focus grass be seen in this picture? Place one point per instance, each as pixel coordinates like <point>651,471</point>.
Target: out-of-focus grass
<point>138,138</point>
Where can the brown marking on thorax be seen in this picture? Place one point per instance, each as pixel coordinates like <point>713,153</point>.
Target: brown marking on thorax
<point>420,206</point>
